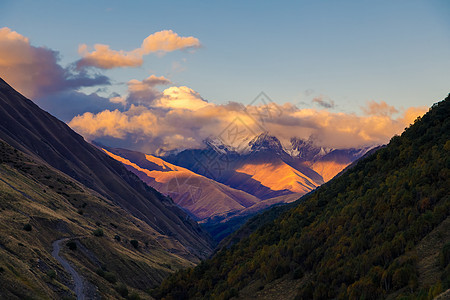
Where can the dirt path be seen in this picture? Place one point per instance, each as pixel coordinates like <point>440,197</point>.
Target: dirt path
<point>79,288</point>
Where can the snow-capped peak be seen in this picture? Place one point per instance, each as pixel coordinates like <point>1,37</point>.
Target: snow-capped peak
<point>265,142</point>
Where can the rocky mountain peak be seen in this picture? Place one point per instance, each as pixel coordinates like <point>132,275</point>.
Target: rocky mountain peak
<point>265,142</point>
<point>306,149</point>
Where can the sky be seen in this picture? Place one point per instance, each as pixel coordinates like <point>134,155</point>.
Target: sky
<point>163,75</point>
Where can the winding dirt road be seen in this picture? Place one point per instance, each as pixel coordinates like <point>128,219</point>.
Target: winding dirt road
<point>76,277</point>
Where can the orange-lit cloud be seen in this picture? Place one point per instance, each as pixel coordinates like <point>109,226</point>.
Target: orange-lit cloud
<point>167,41</point>
<point>379,108</point>
<point>35,71</point>
<point>103,57</point>
<point>181,98</point>
<point>180,118</point>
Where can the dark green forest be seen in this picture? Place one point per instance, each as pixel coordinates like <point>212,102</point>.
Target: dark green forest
<point>351,238</point>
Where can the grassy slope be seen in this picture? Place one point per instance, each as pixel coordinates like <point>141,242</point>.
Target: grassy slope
<point>358,236</point>
<point>56,206</point>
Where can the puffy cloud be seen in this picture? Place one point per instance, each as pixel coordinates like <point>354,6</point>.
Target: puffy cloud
<point>181,98</point>
<point>116,124</point>
<point>160,42</point>
<point>379,109</point>
<point>118,99</point>
<point>35,71</point>
<point>167,41</point>
<point>180,118</point>
<point>154,81</point>
<point>143,92</point>
<point>146,94</point>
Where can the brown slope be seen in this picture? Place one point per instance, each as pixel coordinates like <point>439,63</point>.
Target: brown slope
<point>26,127</point>
<point>58,207</point>
<point>201,196</point>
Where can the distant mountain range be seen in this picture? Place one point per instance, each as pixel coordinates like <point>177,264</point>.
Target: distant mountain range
<point>265,168</point>
<point>218,183</point>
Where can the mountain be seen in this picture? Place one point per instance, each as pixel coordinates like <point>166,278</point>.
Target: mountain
<point>306,150</point>
<point>379,230</point>
<point>219,208</point>
<point>202,197</point>
<point>66,188</point>
<point>264,168</point>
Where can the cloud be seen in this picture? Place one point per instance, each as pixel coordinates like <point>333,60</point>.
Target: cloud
<point>35,71</point>
<point>167,41</point>
<point>180,118</point>
<point>118,99</point>
<point>154,81</point>
<point>103,57</point>
<point>181,98</point>
<point>324,102</point>
<point>143,92</point>
<point>379,109</point>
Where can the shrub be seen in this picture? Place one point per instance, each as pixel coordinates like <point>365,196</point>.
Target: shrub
<point>134,296</point>
<point>110,277</point>
<point>122,289</point>
<point>100,272</point>
<point>98,232</point>
<point>27,227</point>
<point>72,245</point>
<point>51,274</point>
<point>298,273</point>
<point>134,243</point>
<point>444,256</point>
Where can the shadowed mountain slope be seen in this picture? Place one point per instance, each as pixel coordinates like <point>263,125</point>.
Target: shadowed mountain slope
<point>26,127</point>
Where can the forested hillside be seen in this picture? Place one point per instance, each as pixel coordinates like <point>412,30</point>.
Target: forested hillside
<point>361,236</point>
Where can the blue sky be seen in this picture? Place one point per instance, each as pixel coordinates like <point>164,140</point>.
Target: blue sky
<point>349,73</point>
<point>350,51</point>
